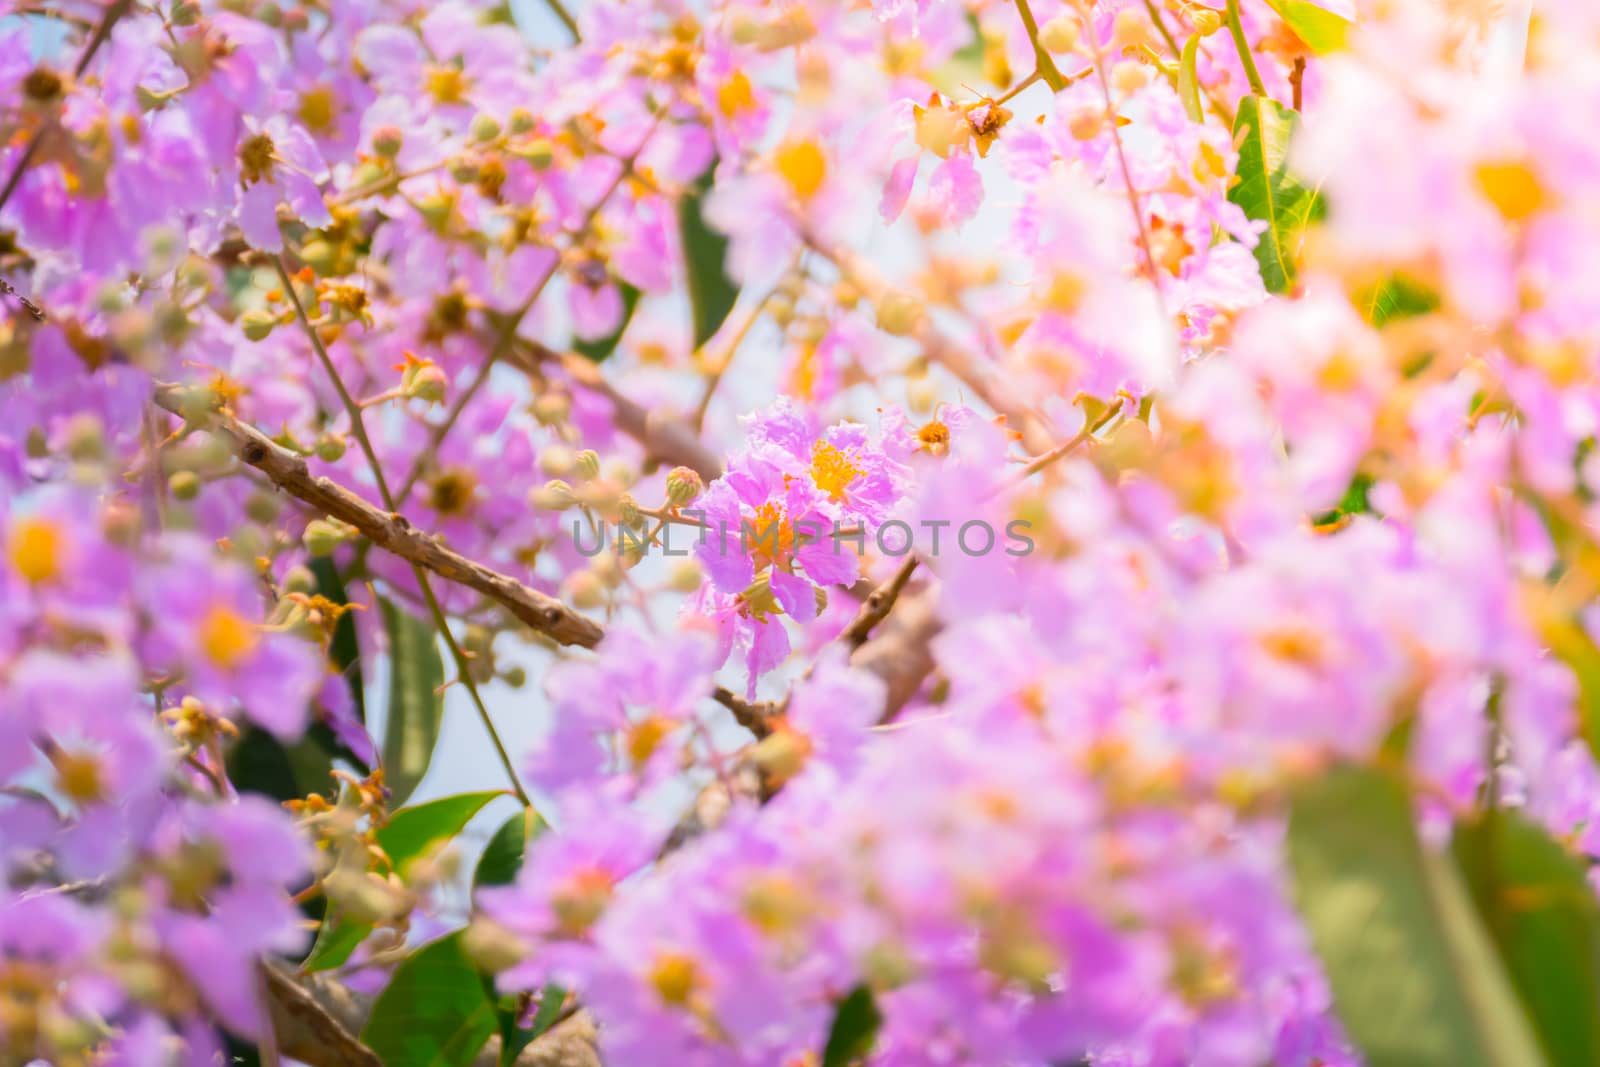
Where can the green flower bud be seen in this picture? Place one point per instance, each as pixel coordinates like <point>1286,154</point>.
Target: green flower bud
<point>85,438</point>
<point>258,323</point>
<point>629,513</point>
<point>320,256</point>
<point>331,449</point>
<point>299,579</point>
<point>684,485</point>
<point>587,464</point>
<point>553,495</point>
<point>899,314</point>
<point>552,409</point>
<point>184,485</point>
<point>557,461</point>
<point>484,128</point>
<point>686,576</point>
<point>387,141</point>
<point>540,152</point>
<point>1060,34</point>
<point>514,676</point>
<point>322,536</point>
<point>522,121</point>
<point>585,590</point>
<point>1206,21</point>
<point>427,383</point>
<point>262,507</point>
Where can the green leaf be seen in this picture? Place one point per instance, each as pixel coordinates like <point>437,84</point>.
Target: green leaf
<point>597,351</point>
<point>1396,297</point>
<point>1571,643</point>
<point>855,1029</point>
<point>1266,190</point>
<point>260,763</point>
<point>416,705</point>
<point>334,945</point>
<point>434,1012</point>
<point>502,859</point>
<point>1534,898</point>
<point>1320,29</point>
<point>343,650</point>
<point>1189,80</point>
<point>711,292</point>
<point>1415,977</point>
<point>423,829</point>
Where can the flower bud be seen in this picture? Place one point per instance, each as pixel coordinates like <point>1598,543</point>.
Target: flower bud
<point>540,152</point>
<point>1206,21</point>
<point>331,449</point>
<point>587,464</point>
<point>184,485</point>
<point>686,576</point>
<point>684,485</point>
<point>85,438</point>
<point>514,676</point>
<point>425,382</point>
<point>262,507</point>
<point>320,256</point>
<point>1059,35</point>
<point>781,755</point>
<point>585,590</point>
<point>484,127</point>
<point>1131,29</point>
<point>552,409</point>
<point>522,121</point>
<point>299,579</point>
<point>899,314</point>
<point>322,536</point>
<point>557,461</point>
<point>628,513</point>
<point>1085,124</point>
<point>387,141</point>
<point>1129,76</point>
<point>258,323</point>
<point>553,495</point>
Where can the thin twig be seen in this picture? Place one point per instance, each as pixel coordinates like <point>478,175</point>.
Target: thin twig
<point>1236,28</point>
<point>877,606</point>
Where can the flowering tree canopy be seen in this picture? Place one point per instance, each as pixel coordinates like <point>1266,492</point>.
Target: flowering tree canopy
<point>1008,533</point>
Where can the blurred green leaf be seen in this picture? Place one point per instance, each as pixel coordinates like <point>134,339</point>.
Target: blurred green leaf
<point>855,1029</point>
<point>416,705</point>
<point>1267,192</point>
<point>336,940</point>
<point>1396,297</point>
<point>434,1012</point>
<point>343,650</point>
<point>502,859</point>
<point>711,292</point>
<point>1320,29</point>
<point>1535,899</point>
<point>420,830</point>
<point>1415,977</point>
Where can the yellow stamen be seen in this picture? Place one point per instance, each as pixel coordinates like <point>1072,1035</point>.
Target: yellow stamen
<point>36,547</point>
<point>226,638</point>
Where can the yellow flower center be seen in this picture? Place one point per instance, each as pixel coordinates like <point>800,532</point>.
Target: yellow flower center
<point>78,776</point>
<point>675,977</point>
<point>316,107</point>
<point>36,548</point>
<point>803,166</point>
<point>447,85</point>
<point>832,470</point>
<point>646,736</point>
<point>581,900</point>
<point>226,638</point>
<point>735,95</point>
<point>255,158</point>
<point>1513,188</point>
<point>770,537</point>
<point>934,438</point>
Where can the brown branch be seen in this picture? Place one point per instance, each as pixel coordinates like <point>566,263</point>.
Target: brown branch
<point>877,606</point>
<point>664,437</point>
<point>391,531</point>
